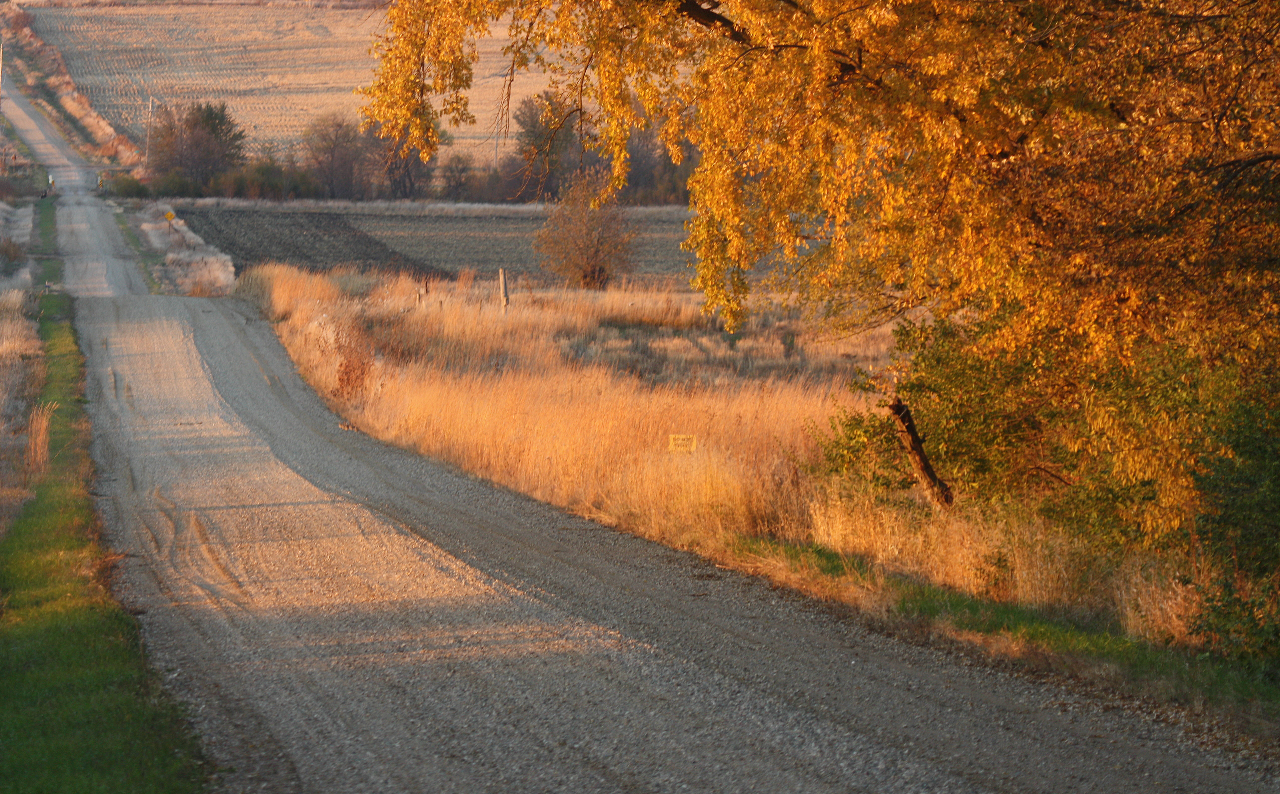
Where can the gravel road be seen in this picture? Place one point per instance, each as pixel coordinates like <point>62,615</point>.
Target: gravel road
<point>346,617</point>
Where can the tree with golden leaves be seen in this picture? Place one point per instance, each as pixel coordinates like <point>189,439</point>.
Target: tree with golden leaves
<point>1086,191</point>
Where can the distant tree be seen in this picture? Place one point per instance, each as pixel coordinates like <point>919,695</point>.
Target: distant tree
<point>407,177</point>
<point>548,141</point>
<point>339,155</point>
<point>408,173</point>
<point>653,177</point>
<point>197,143</point>
<point>455,176</point>
<point>588,245</point>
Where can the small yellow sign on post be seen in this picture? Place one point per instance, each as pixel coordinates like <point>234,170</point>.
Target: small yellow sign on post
<point>682,443</point>
<point>169,216</point>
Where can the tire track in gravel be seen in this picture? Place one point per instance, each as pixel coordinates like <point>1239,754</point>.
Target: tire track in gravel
<point>342,616</point>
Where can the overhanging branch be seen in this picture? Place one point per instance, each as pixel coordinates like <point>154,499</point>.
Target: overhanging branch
<point>707,14</point>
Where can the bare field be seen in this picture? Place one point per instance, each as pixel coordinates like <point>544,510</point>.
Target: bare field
<point>276,67</point>
<point>440,239</point>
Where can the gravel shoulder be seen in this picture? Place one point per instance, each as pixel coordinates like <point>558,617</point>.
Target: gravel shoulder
<point>344,616</point>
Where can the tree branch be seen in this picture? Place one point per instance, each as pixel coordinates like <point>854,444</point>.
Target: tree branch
<point>1242,163</point>
<point>706,14</point>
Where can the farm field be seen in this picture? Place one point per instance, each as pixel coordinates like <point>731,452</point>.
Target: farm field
<point>276,67</point>
<point>427,238</point>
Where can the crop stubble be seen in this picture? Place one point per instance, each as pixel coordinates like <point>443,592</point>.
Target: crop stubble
<point>276,67</point>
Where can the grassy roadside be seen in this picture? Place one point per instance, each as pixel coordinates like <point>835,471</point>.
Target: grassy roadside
<point>37,177</point>
<point>45,98</point>
<point>82,712</point>
<point>1210,690</point>
<point>149,258</point>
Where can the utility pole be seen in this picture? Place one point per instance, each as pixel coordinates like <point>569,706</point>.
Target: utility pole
<point>146,157</point>
<point>1,73</point>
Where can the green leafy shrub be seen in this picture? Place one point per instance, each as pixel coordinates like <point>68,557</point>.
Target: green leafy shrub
<point>1240,532</point>
<point>127,186</point>
<point>1173,453</point>
<point>175,183</point>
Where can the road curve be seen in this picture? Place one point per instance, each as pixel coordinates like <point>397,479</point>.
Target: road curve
<point>346,617</point>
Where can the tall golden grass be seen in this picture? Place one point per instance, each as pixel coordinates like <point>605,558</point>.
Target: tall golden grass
<point>571,397</point>
<point>501,394</point>
<point>37,459</point>
<point>21,373</point>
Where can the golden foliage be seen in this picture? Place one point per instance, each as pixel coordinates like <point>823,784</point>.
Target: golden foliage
<point>1100,176</point>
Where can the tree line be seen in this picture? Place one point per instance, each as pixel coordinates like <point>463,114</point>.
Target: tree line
<point>201,150</point>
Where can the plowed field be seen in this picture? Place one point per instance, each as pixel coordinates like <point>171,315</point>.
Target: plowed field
<point>424,238</point>
<point>277,67</point>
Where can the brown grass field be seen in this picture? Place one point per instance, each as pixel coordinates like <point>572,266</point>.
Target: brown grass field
<point>276,66</point>
<point>571,397</point>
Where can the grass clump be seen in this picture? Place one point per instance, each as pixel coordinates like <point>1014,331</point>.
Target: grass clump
<point>82,712</point>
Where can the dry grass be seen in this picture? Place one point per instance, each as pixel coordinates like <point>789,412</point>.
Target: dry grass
<point>37,459</point>
<point>571,397</point>
<point>21,374</point>
<point>535,398</point>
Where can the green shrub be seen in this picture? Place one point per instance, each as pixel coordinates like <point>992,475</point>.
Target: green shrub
<point>127,186</point>
<point>1240,532</point>
<point>12,256</point>
<point>175,183</point>
<point>1187,459</point>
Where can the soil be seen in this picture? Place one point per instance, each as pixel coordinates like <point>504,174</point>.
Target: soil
<point>431,239</point>
<point>315,240</point>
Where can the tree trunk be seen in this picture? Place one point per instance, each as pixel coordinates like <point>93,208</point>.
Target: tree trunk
<point>938,490</point>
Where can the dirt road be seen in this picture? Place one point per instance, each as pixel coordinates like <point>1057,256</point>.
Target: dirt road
<point>346,617</point>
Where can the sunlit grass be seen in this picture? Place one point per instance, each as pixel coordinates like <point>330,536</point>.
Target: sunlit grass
<point>81,711</point>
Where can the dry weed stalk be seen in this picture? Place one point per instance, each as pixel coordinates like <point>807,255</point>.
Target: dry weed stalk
<point>38,440</point>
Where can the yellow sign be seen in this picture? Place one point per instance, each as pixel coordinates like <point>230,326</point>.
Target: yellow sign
<point>169,216</point>
<point>682,443</point>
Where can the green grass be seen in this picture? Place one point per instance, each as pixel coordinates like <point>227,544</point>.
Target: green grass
<point>38,177</point>
<point>47,230</point>
<point>81,710</point>
<point>1061,642</point>
<point>150,258</point>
